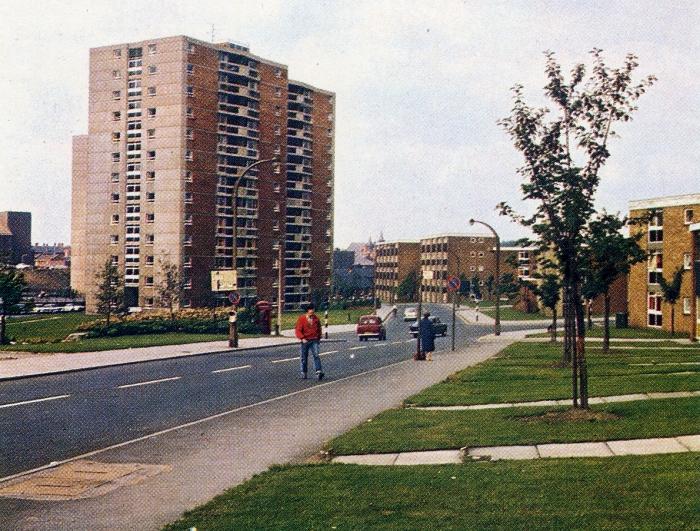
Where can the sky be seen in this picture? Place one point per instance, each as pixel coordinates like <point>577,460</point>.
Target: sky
<point>420,86</point>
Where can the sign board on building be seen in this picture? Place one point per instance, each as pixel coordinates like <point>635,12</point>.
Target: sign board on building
<point>224,280</point>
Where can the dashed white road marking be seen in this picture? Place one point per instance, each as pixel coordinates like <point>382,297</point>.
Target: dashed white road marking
<point>396,342</point>
<point>149,382</point>
<point>356,348</point>
<point>329,352</point>
<point>232,369</point>
<point>13,404</point>
<point>285,359</point>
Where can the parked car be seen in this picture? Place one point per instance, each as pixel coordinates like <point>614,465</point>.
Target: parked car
<point>370,326</point>
<point>438,325</point>
<point>49,308</point>
<point>410,314</point>
<point>73,308</point>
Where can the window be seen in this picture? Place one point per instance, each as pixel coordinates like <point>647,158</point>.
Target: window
<point>189,134</point>
<point>188,155</point>
<point>686,305</point>
<point>150,239</point>
<point>472,268</point>
<point>190,112</point>
<point>151,155</point>
<point>116,94</point>
<point>114,259</point>
<point>278,72</point>
<point>188,219</point>
<point>149,281</point>
<point>190,69</point>
<point>151,133</point>
<point>188,176</point>
<point>481,254</point>
<point>115,219</point>
<point>472,254</point>
<point>190,47</point>
<point>151,49</point>
<point>116,157</point>
<point>688,216</point>
<point>150,197</point>
<point>277,188</point>
<point>150,218</point>
<point>686,260</point>
<point>116,136</point>
<point>188,197</point>
<point>152,69</point>
<point>148,302</point>
<point>190,91</point>
<point>116,116</point>
<point>187,239</point>
<point>151,91</point>
<point>656,235</point>
<point>117,52</point>
<point>151,175</point>
<point>278,131</point>
<point>481,268</point>
<point>116,74</point>
<point>152,112</point>
<point>276,169</point>
<point>150,260</point>
<point>656,265</point>
<point>278,111</point>
<point>276,226</point>
<point>115,177</point>
<point>114,239</point>
<point>278,92</point>
<point>654,316</point>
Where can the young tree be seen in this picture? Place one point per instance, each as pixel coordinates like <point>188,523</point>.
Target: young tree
<point>12,285</point>
<point>608,253</point>
<point>110,290</point>
<point>670,291</point>
<point>564,150</point>
<point>408,289</point>
<point>509,285</point>
<point>490,285</point>
<point>549,292</point>
<point>169,286</point>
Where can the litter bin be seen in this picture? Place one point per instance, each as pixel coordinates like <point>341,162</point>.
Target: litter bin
<point>621,320</point>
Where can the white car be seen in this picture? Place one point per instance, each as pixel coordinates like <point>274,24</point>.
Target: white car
<point>410,314</point>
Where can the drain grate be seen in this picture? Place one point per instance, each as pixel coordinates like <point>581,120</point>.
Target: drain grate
<point>78,479</point>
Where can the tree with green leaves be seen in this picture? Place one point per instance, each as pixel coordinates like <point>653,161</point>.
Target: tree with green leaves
<point>670,292</point>
<point>490,286</point>
<point>169,285</point>
<point>110,290</point>
<point>564,149</point>
<point>408,289</point>
<point>509,285</point>
<point>607,255</point>
<point>12,284</point>
<point>464,285</point>
<point>475,287</point>
<point>549,292</point>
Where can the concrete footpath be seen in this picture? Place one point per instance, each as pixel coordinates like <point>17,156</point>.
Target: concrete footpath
<point>22,365</point>
<point>660,445</point>
<point>203,458</point>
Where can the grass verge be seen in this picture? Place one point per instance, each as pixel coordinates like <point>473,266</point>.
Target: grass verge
<point>511,314</point>
<point>624,333</point>
<point>47,327</point>
<point>658,492</point>
<point>335,317</point>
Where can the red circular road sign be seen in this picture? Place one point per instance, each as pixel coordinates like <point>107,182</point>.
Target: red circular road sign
<point>234,298</point>
<point>453,283</point>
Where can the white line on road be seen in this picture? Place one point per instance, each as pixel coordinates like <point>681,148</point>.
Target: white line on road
<point>396,342</point>
<point>200,421</point>
<point>329,352</point>
<point>13,404</point>
<point>149,382</point>
<point>232,369</point>
<point>286,359</point>
<point>356,348</point>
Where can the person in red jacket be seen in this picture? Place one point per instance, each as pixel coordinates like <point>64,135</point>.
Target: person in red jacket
<point>308,330</point>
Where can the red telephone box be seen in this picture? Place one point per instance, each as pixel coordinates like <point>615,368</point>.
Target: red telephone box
<point>264,316</point>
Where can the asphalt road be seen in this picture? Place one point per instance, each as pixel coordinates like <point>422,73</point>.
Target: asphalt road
<point>51,418</point>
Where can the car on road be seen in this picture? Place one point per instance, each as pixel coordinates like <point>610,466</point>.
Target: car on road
<point>370,326</point>
<point>48,308</point>
<point>439,327</point>
<point>410,314</point>
<point>73,308</point>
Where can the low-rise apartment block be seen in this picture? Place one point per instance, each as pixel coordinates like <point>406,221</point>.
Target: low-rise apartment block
<point>671,239</point>
<point>394,262</point>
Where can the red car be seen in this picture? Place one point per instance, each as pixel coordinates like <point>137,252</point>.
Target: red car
<point>370,326</point>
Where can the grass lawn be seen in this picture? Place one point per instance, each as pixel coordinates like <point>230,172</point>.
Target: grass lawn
<point>335,317</point>
<point>531,371</point>
<point>399,430</point>
<point>626,333</point>
<point>110,343</point>
<point>653,492</point>
<point>511,314</point>
<point>48,327</point>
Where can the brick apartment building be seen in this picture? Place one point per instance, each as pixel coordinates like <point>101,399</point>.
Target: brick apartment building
<point>172,123</point>
<point>16,238</point>
<point>394,262</point>
<point>672,240</point>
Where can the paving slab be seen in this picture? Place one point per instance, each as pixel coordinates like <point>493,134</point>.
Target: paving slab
<point>504,452</point>
<point>677,394</point>
<point>584,449</point>
<point>668,445</point>
<point>692,442</point>
<point>434,457</point>
<point>369,459</point>
<point>624,398</point>
<point>537,403</point>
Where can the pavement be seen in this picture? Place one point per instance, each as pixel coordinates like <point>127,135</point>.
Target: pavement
<point>566,402</point>
<point>201,458</point>
<point>17,365</point>
<point>665,445</point>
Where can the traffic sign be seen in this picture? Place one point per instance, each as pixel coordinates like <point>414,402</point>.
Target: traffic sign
<point>453,283</point>
<point>234,298</point>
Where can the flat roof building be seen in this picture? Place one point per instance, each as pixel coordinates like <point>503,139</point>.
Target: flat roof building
<point>394,262</point>
<point>16,238</point>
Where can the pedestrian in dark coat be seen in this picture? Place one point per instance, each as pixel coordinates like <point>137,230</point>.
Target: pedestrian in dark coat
<point>427,334</point>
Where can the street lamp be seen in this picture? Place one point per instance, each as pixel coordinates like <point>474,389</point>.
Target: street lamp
<point>233,322</point>
<point>497,323</point>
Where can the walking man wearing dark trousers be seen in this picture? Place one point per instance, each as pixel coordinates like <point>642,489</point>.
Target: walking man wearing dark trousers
<point>308,330</point>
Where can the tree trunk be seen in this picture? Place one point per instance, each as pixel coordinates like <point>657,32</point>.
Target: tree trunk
<point>588,311</point>
<point>606,323</point>
<point>581,347</point>
<point>568,330</point>
<point>673,319</point>
<point>2,327</point>
<point>554,325</point>
<point>569,341</point>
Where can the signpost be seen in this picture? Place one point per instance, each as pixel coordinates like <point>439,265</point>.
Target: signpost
<point>234,298</point>
<point>453,285</point>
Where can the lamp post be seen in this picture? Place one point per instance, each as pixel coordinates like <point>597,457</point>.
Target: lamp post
<point>419,353</point>
<point>233,322</point>
<point>278,325</point>
<point>497,323</point>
